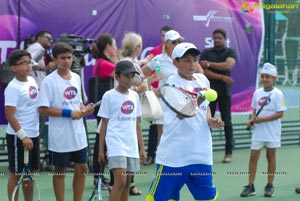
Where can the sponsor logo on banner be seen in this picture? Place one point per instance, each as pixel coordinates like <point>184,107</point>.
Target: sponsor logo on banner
<point>211,16</point>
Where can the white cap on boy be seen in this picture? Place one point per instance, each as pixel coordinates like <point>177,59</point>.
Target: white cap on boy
<point>172,35</point>
<point>182,48</point>
<point>269,69</point>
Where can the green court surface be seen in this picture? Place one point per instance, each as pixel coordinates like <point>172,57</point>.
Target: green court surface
<point>229,178</point>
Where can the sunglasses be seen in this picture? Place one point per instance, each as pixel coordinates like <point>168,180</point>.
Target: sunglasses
<point>175,42</point>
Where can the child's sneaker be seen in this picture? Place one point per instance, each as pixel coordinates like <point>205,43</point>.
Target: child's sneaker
<point>269,190</point>
<point>248,191</point>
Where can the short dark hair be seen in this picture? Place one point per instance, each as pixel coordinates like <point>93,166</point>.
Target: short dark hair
<point>16,55</point>
<point>42,33</point>
<point>221,31</point>
<point>60,48</point>
<point>166,28</point>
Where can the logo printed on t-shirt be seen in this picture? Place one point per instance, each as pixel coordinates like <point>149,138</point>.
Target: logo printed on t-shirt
<point>127,107</point>
<point>33,92</point>
<point>70,92</point>
<point>263,99</point>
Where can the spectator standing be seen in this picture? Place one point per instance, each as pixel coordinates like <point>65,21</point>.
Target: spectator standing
<point>132,45</point>
<point>120,128</point>
<point>38,50</point>
<point>217,63</point>
<point>106,56</point>
<point>61,100</point>
<point>21,112</point>
<point>153,132</point>
<point>266,128</point>
<point>171,39</point>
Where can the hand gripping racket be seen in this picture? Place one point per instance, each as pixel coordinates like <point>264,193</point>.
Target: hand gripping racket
<point>94,105</point>
<point>26,176</point>
<point>262,106</point>
<point>97,103</point>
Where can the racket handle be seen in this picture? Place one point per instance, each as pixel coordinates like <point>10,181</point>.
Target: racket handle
<point>97,103</point>
<point>26,156</point>
<point>99,188</point>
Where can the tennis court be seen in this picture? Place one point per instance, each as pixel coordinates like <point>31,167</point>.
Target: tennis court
<point>229,178</point>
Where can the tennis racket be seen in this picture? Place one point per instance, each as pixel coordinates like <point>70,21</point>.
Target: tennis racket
<point>262,107</point>
<point>97,103</point>
<point>97,193</point>
<point>183,103</point>
<point>26,176</point>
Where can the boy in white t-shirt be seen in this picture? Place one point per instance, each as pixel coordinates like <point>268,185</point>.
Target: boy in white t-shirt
<point>61,100</point>
<point>184,155</point>
<point>120,129</point>
<point>266,128</point>
<point>21,112</point>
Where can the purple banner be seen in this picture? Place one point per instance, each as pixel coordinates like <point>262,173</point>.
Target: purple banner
<point>194,19</point>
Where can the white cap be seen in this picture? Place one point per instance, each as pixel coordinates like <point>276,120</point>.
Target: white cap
<point>182,48</point>
<point>269,69</point>
<point>172,35</point>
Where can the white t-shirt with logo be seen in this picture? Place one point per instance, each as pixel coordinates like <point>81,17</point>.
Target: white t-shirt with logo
<point>269,131</point>
<point>188,141</point>
<point>65,134</point>
<point>122,111</point>
<point>24,97</point>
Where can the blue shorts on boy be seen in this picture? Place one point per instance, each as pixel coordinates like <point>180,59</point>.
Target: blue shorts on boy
<point>63,159</point>
<point>185,148</point>
<point>168,181</point>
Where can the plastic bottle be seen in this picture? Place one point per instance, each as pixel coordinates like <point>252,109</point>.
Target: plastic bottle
<point>158,69</point>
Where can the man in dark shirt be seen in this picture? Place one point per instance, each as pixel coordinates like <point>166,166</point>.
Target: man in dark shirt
<point>217,62</point>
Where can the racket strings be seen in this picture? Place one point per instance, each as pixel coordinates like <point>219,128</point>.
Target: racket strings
<point>189,108</point>
<point>179,100</point>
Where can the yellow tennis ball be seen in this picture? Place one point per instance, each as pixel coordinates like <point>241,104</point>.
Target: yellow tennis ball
<point>211,95</point>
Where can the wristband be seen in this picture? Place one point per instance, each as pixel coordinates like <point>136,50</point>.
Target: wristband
<point>21,134</point>
<point>66,113</point>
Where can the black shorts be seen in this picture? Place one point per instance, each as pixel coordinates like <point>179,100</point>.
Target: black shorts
<point>18,152</point>
<point>63,159</point>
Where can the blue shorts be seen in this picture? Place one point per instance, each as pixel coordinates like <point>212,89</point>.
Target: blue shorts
<point>62,160</point>
<point>169,181</point>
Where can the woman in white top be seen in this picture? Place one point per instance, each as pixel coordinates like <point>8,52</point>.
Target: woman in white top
<point>171,39</point>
